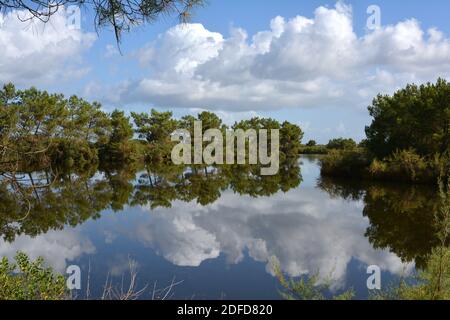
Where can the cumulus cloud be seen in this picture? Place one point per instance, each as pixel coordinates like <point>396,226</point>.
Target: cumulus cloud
<point>34,52</point>
<point>298,62</point>
<point>304,229</point>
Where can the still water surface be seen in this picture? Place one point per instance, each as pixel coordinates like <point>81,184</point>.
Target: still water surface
<point>223,248</point>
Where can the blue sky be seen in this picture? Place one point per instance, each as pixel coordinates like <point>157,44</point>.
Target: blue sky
<point>320,70</point>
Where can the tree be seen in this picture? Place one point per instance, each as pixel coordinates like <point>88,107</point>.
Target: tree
<point>311,143</point>
<point>121,15</point>
<point>38,128</point>
<point>86,121</point>
<point>416,117</point>
<point>341,144</point>
<point>156,128</point>
<point>122,130</point>
<point>120,146</point>
<point>30,121</point>
<point>291,137</point>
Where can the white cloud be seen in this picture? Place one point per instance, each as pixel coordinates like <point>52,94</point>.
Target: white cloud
<point>56,247</point>
<point>34,52</point>
<point>111,51</point>
<point>300,62</point>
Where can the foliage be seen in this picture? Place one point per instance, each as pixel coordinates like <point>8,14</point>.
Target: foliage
<point>401,166</point>
<point>291,137</point>
<point>416,117</point>
<point>30,280</point>
<point>407,166</point>
<point>41,129</point>
<point>38,130</point>
<point>156,128</point>
<point>311,143</point>
<point>74,197</point>
<point>290,134</point>
<point>312,288</point>
<point>349,164</point>
<point>118,14</point>
<point>52,146</point>
<point>408,230</point>
<point>120,146</point>
<point>316,149</point>
<point>66,154</point>
<point>342,144</point>
<point>433,281</point>
<point>401,145</point>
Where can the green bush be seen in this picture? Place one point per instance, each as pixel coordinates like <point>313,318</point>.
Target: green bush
<point>407,166</point>
<point>349,164</point>
<point>402,166</point>
<point>30,280</point>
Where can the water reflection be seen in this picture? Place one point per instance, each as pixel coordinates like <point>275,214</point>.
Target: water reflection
<point>189,216</point>
<point>34,203</point>
<point>306,230</point>
<point>400,216</point>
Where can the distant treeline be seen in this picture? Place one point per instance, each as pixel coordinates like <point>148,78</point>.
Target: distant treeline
<point>408,140</point>
<point>311,147</point>
<point>39,129</point>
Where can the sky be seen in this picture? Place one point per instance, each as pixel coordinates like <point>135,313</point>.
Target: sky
<point>315,63</point>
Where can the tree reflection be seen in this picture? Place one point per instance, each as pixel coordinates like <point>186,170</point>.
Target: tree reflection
<point>401,216</point>
<point>160,185</point>
<point>37,202</point>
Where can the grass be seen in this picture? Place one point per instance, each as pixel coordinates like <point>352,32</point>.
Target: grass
<point>25,279</point>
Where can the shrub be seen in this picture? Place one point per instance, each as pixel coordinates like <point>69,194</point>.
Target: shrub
<point>351,164</point>
<point>402,166</point>
<point>30,280</point>
<point>406,166</point>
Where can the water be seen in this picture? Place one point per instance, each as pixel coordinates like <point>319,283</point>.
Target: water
<point>218,236</point>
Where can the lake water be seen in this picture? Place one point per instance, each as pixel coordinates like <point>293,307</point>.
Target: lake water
<point>220,243</point>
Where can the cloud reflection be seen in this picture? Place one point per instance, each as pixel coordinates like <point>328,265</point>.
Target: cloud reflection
<point>56,247</point>
<point>305,229</point>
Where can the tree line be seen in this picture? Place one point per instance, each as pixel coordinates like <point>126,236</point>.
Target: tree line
<point>312,147</point>
<point>39,129</point>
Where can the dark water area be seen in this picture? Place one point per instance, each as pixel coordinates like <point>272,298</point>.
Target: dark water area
<point>216,234</point>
